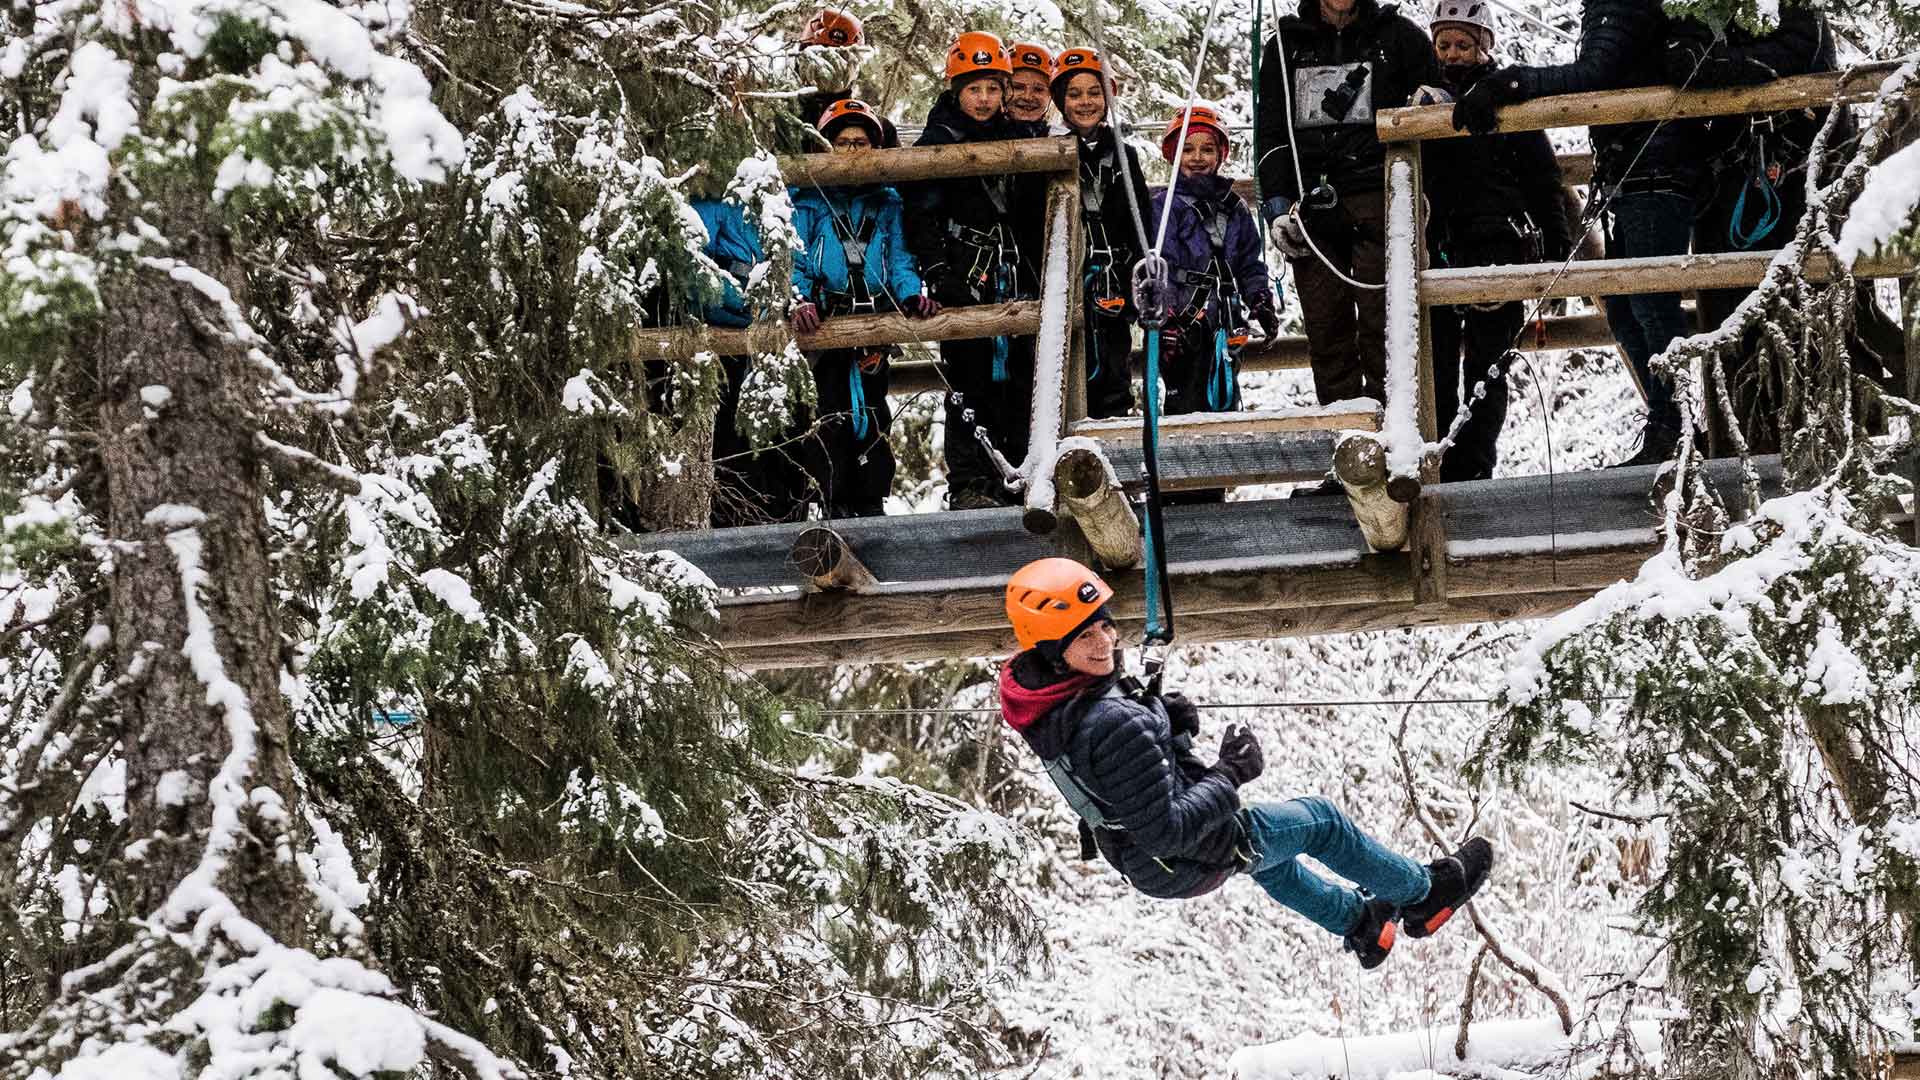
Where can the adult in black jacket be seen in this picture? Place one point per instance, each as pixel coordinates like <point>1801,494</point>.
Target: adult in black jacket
<point>1648,175</point>
<point>978,241</point>
<point>1171,824</point>
<point>1081,92</point>
<point>1495,199</point>
<point>1757,195</point>
<point>1349,59</point>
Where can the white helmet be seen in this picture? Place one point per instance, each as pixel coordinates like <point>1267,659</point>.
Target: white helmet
<point>1476,14</point>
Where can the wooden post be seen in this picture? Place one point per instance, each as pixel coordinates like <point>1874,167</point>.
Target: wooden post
<point>1052,379</point>
<point>1408,327</point>
<point>828,563</point>
<point>1360,464</point>
<point>1090,494</point>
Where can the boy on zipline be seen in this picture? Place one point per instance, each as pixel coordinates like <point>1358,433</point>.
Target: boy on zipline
<point>1174,826</point>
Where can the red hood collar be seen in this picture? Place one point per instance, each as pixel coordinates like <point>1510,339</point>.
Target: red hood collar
<point>1023,707</point>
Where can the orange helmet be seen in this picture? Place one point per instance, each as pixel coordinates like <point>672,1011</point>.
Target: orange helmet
<point>1048,599</point>
<point>851,111</point>
<point>1203,117</point>
<point>977,50</point>
<point>834,28</point>
<point>1033,58</point>
<point>1074,61</point>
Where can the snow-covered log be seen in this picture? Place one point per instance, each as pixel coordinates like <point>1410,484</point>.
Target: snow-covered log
<point>1513,1045</point>
<point>1059,299</point>
<point>1360,464</point>
<point>1090,494</point>
<point>828,563</point>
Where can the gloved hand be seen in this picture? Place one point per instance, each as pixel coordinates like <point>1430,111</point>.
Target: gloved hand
<point>805,317</point>
<point>1268,319</point>
<point>921,307</point>
<point>1182,715</point>
<point>1240,757</point>
<point>1290,236</point>
<point>1430,95</point>
<point>1475,110</point>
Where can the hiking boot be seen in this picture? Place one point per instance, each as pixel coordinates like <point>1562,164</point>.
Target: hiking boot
<point>1371,938</point>
<point>1454,881</point>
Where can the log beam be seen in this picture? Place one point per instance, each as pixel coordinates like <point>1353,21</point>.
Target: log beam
<point>980,605</point>
<point>1647,103</point>
<point>1091,496</point>
<point>1360,464</point>
<point>1046,155</point>
<point>1341,416</point>
<point>828,563</point>
<point>1195,629</point>
<point>1626,277</point>
<point>1018,317</point>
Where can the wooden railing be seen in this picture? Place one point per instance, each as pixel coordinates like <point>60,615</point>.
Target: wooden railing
<point>1404,130</point>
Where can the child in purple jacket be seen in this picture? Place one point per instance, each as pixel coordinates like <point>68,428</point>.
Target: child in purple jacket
<point>1219,275</point>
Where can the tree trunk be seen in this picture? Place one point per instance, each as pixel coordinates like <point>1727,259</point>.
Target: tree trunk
<point>185,490</point>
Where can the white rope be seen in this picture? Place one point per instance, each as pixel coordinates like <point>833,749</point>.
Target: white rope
<point>1186,120</point>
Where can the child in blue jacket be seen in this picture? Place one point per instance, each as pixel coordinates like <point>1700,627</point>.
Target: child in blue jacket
<point>854,261</point>
<point>752,487</point>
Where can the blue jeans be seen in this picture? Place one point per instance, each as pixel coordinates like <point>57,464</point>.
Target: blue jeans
<point>1281,832</point>
<point>1645,224</point>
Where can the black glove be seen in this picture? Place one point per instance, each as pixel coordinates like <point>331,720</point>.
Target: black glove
<point>1269,321</point>
<point>1182,715</point>
<point>1475,110</point>
<point>1240,757</point>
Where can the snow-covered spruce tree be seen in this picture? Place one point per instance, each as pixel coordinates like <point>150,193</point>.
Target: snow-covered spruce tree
<point>164,875</point>
<point>235,526</point>
<point>1758,686</point>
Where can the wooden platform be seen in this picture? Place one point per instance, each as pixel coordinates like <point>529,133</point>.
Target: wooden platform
<point>1517,548</point>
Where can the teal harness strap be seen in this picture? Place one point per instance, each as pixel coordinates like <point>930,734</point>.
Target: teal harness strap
<point>1159,630</point>
<point>857,396</point>
<point>1220,376</point>
<point>1744,239</point>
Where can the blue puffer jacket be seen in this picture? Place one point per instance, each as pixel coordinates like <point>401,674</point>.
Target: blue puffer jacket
<point>1196,202</point>
<point>735,246</point>
<point>1176,826</point>
<point>821,268</point>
